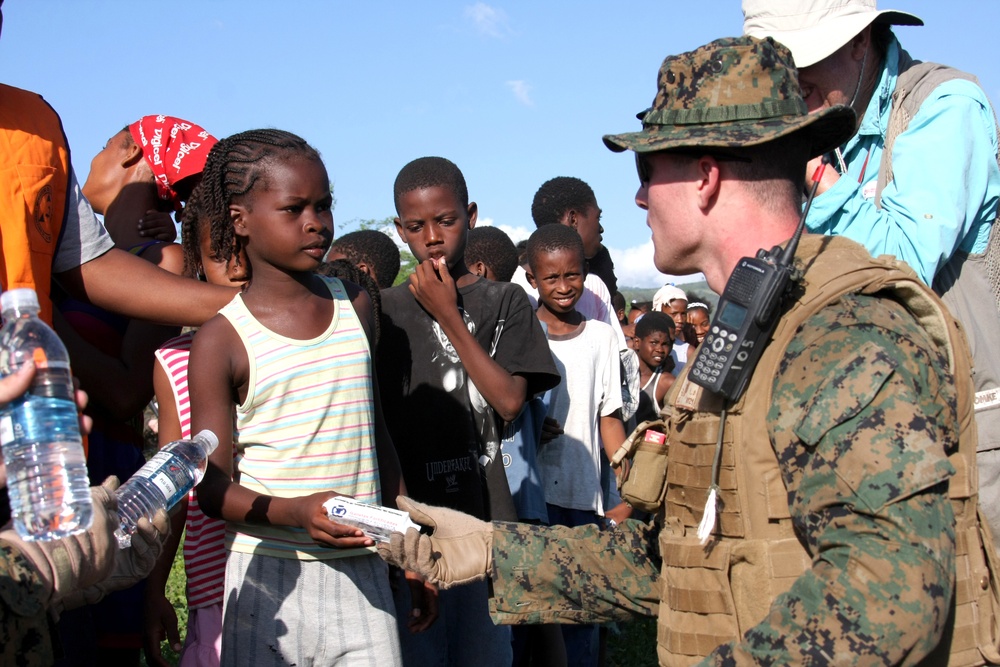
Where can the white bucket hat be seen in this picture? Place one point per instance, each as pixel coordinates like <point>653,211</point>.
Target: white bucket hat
<point>813,29</point>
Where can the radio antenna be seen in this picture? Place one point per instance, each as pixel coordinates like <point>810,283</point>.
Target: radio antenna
<point>788,255</point>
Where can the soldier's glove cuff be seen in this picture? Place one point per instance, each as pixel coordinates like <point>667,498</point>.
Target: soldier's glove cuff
<point>131,565</point>
<point>458,550</point>
<point>78,561</point>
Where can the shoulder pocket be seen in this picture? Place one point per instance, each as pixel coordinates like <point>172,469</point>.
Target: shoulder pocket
<point>848,389</point>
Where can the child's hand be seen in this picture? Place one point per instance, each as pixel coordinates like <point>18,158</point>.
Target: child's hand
<point>159,623</point>
<point>434,288</point>
<point>311,515</point>
<point>423,603</point>
<point>617,514</point>
<point>689,335</point>
<point>157,225</point>
<point>551,429</point>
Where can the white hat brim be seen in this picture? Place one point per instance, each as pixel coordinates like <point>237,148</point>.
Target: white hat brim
<point>811,44</point>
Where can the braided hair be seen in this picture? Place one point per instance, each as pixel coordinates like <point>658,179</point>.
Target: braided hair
<point>235,166</point>
<point>347,270</point>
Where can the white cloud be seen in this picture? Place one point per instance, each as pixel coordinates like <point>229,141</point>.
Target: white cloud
<point>490,21</point>
<point>515,233</point>
<point>634,268</point>
<point>521,91</point>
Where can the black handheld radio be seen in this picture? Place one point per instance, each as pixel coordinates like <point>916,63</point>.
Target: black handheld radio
<point>747,314</point>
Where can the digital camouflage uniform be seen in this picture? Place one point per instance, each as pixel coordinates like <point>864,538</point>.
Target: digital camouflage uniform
<point>25,637</point>
<point>861,420</point>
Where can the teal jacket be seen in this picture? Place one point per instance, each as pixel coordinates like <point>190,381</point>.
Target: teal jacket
<point>946,183</point>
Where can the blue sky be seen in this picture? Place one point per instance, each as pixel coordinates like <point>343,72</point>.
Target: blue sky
<point>514,93</point>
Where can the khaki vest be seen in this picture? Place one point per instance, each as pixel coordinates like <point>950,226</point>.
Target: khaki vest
<point>967,282</point>
<point>712,596</point>
<point>34,179</point>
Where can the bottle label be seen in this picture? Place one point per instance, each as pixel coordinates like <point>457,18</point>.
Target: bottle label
<point>6,430</point>
<point>165,473</point>
<point>33,419</point>
<point>164,484</point>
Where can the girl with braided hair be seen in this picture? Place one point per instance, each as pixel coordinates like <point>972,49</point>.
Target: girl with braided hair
<point>289,358</point>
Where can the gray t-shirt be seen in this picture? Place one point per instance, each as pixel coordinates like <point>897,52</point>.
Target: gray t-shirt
<point>83,236</point>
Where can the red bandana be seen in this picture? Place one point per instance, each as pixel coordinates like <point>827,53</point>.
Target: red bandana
<point>174,150</point>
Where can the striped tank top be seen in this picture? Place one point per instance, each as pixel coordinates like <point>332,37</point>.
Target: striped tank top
<point>205,538</point>
<point>306,425</point>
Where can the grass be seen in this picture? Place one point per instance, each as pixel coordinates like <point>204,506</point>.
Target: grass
<point>633,645</point>
<point>175,593</point>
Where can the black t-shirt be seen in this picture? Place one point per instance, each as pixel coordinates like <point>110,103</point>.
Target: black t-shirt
<point>424,388</point>
<point>604,267</point>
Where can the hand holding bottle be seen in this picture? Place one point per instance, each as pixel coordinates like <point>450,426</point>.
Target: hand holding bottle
<point>46,468</point>
<point>66,565</point>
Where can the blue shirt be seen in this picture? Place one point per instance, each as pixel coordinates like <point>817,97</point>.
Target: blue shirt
<point>946,183</point>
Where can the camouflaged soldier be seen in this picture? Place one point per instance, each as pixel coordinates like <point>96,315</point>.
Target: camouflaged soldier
<point>835,539</point>
<point>39,579</point>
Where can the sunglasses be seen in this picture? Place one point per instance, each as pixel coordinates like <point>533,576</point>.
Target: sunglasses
<point>645,170</point>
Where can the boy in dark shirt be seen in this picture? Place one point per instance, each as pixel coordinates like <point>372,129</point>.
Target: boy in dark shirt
<point>458,355</point>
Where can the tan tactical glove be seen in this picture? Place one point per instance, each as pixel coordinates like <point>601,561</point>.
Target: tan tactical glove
<point>66,565</point>
<point>131,565</point>
<point>459,550</point>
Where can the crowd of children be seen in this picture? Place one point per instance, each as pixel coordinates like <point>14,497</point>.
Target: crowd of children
<point>497,379</point>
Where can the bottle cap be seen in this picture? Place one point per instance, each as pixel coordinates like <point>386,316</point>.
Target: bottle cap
<point>208,440</point>
<point>18,299</point>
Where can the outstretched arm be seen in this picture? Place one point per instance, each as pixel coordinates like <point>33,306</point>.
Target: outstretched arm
<point>612,574</point>
<point>130,286</point>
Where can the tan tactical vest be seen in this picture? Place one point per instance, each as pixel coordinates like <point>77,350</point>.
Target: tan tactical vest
<point>713,595</point>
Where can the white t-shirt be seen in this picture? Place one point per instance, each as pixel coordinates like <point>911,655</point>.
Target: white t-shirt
<point>570,465</point>
<point>595,304</point>
<point>680,355</point>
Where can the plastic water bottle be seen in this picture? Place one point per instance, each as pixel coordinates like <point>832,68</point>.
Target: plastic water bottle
<point>40,431</point>
<point>162,482</point>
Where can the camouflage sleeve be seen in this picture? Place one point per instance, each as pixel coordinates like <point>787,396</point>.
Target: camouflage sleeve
<point>25,637</point>
<point>554,574</point>
<point>862,419</point>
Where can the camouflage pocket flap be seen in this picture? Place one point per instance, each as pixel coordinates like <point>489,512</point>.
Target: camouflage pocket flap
<point>845,392</point>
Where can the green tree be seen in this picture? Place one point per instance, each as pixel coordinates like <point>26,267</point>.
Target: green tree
<point>407,262</point>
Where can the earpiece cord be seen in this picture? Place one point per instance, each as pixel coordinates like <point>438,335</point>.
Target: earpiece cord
<point>707,524</point>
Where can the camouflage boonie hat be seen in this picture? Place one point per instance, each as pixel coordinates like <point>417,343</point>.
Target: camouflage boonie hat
<point>737,91</point>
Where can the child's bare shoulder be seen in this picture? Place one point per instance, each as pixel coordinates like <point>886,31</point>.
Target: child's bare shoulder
<point>216,336</point>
